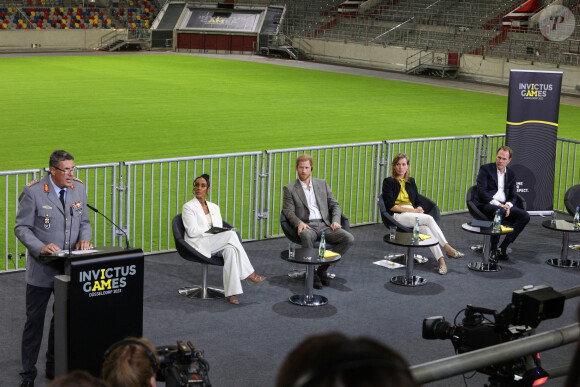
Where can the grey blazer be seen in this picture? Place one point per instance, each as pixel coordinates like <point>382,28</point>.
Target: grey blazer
<point>42,220</point>
<point>295,206</point>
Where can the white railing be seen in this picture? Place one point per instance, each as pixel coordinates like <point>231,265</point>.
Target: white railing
<point>143,196</point>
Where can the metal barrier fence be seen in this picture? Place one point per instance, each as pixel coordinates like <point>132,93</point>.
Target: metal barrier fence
<point>143,196</point>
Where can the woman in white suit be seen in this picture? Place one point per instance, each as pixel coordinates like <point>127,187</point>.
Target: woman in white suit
<point>199,216</point>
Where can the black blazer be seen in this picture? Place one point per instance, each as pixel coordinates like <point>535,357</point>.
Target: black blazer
<point>487,185</point>
<point>391,189</point>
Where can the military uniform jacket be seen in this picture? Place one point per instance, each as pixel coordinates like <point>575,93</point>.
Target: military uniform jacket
<point>41,220</point>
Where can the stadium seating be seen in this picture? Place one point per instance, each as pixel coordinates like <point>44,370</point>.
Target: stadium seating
<point>140,14</point>
<point>463,27</point>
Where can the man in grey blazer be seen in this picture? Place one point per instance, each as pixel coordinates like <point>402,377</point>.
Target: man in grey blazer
<point>311,208</point>
<point>52,212</point>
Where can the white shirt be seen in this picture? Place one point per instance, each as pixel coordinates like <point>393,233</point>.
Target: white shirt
<point>311,200</point>
<point>499,196</point>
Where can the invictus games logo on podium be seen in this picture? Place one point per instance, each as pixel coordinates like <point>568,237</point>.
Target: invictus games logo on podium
<point>102,282</point>
<point>537,91</point>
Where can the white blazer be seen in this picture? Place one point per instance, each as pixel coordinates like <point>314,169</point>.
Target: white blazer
<point>196,225</point>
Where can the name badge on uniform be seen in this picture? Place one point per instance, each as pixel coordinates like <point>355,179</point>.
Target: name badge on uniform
<point>46,222</point>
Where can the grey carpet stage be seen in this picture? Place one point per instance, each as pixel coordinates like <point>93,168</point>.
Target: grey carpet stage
<point>246,344</point>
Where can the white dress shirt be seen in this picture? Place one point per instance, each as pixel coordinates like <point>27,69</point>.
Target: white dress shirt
<point>311,200</point>
<point>499,196</point>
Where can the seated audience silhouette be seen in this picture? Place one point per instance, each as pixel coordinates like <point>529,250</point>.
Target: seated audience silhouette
<point>333,360</point>
<point>132,362</point>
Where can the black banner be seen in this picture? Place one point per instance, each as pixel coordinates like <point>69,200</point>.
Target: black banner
<point>532,132</point>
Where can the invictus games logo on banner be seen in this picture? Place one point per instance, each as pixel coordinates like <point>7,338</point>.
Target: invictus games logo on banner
<point>102,282</point>
<point>557,23</point>
<point>537,91</point>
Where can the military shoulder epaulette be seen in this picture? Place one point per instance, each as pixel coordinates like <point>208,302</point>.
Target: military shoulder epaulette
<point>80,181</point>
<point>32,183</point>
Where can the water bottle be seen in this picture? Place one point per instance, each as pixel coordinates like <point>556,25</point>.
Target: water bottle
<point>322,247</point>
<point>416,230</point>
<point>576,218</point>
<point>497,222</point>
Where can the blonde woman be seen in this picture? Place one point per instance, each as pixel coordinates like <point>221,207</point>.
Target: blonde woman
<point>401,198</point>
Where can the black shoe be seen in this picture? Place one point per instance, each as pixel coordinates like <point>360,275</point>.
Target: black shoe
<point>317,281</point>
<point>502,255</point>
<point>26,384</point>
<point>321,271</point>
<point>493,256</point>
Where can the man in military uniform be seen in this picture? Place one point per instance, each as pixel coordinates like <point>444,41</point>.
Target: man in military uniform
<point>52,213</point>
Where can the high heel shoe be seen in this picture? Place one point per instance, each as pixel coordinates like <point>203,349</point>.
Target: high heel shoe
<point>255,278</point>
<point>234,300</point>
<point>442,270</point>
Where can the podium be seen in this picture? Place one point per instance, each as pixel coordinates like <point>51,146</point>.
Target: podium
<point>97,302</point>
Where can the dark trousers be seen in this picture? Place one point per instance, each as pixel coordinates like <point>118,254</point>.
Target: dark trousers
<point>517,219</point>
<point>341,239</point>
<point>36,302</point>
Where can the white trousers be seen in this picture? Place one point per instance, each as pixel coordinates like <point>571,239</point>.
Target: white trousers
<point>237,265</point>
<point>427,226</point>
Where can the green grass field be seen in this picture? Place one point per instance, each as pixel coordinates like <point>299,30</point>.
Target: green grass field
<point>119,108</point>
<point>122,108</point>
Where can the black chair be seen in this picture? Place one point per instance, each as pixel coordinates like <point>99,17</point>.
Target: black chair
<point>571,201</point>
<point>291,234</point>
<point>186,251</point>
<point>429,207</point>
<point>478,215</point>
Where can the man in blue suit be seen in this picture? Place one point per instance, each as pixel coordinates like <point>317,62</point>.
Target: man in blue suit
<point>496,189</point>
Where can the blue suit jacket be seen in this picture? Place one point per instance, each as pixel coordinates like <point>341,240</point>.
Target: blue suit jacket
<point>487,185</point>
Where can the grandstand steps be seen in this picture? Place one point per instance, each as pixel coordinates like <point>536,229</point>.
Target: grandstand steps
<point>432,63</point>
<point>288,52</point>
<point>434,70</point>
<point>112,46</point>
<point>126,45</point>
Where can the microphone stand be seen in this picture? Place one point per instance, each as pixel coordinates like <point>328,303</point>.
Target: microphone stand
<point>113,223</point>
<point>70,232</point>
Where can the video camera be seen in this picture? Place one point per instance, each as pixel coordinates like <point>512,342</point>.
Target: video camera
<point>528,308</point>
<point>182,365</point>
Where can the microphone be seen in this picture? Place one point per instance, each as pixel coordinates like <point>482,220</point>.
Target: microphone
<point>113,223</point>
<point>70,232</point>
